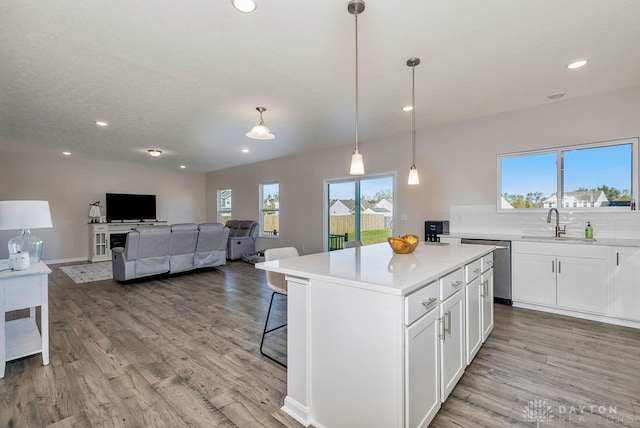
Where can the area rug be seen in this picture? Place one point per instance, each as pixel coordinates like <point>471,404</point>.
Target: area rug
<point>89,272</point>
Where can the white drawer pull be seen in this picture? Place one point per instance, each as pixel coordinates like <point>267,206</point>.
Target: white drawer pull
<point>456,284</point>
<point>490,263</point>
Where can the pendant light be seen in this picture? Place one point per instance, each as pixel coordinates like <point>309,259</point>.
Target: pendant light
<point>413,172</point>
<point>260,131</point>
<point>356,7</point>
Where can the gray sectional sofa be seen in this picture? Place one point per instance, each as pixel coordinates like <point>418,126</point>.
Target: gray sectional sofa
<point>153,250</point>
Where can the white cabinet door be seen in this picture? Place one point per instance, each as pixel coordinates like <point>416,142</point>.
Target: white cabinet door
<point>582,284</point>
<point>422,376</point>
<point>473,317</point>
<point>534,279</point>
<point>486,295</point>
<point>452,354</point>
<point>626,285</point>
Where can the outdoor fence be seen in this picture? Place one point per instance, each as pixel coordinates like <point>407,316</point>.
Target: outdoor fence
<point>340,224</point>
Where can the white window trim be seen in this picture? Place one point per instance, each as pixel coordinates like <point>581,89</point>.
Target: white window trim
<point>635,176</point>
<point>261,209</point>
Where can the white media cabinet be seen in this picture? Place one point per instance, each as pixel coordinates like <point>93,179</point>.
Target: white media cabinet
<point>100,237</point>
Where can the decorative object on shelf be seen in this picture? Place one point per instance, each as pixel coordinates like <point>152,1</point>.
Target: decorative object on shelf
<point>414,178</point>
<point>154,152</point>
<point>94,212</point>
<point>260,131</point>
<point>404,244</point>
<point>356,7</point>
<point>25,215</point>
<point>19,261</point>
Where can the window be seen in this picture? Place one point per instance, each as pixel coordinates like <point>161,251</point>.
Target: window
<point>600,175</point>
<point>269,209</point>
<point>224,205</point>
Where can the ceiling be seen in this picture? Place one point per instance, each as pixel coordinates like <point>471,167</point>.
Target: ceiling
<point>186,77</point>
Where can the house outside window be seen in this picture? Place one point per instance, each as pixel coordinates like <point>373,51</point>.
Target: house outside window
<point>269,209</point>
<point>590,176</point>
<point>224,205</point>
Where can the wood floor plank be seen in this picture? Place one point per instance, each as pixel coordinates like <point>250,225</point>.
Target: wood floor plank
<point>183,351</point>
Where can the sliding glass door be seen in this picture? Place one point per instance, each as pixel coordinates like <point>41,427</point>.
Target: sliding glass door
<point>360,209</point>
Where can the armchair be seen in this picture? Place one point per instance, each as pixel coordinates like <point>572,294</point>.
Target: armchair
<point>242,237</point>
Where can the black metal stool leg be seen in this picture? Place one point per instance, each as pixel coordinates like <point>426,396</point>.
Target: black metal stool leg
<point>265,331</point>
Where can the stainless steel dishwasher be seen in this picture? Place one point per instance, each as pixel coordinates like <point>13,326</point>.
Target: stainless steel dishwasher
<point>501,268</point>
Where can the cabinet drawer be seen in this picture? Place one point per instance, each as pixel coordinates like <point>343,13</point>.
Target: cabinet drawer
<point>421,302</point>
<point>451,283</point>
<point>472,270</point>
<point>101,228</point>
<point>487,262</point>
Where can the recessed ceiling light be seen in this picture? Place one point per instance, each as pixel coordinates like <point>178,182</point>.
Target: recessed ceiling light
<point>101,123</point>
<point>556,95</point>
<point>66,153</point>
<point>183,166</point>
<point>245,150</point>
<point>244,6</point>
<point>577,63</point>
<point>155,153</point>
<point>407,108</point>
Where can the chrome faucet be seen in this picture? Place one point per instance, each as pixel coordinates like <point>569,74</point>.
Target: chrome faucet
<point>559,231</point>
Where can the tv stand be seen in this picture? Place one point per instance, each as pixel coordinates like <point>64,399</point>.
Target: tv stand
<point>100,237</point>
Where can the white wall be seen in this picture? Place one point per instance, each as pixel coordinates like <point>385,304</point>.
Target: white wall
<point>457,164</point>
<point>71,185</point>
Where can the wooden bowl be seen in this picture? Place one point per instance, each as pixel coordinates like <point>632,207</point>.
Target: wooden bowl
<point>401,245</point>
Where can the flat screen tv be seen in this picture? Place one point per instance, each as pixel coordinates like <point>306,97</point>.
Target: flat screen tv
<point>124,207</point>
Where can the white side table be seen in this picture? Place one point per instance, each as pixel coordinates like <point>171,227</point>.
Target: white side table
<point>23,289</point>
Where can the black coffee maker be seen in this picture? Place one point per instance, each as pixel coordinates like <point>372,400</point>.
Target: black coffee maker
<point>433,228</point>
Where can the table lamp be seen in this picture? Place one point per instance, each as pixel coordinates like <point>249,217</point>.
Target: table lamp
<point>25,215</point>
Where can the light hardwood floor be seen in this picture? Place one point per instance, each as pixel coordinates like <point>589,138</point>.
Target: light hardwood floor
<point>183,351</point>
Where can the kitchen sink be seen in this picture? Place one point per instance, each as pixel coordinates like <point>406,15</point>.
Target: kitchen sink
<point>559,239</point>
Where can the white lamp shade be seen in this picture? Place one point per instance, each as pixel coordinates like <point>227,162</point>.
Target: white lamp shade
<point>414,178</point>
<point>261,132</point>
<point>357,165</point>
<point>24,215</point>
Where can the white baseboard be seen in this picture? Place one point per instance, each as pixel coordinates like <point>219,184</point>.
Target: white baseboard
<point>75,259</point>
<point>296,410</point>
<point>575,314</point>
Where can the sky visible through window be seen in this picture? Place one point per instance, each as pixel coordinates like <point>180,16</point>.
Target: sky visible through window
<point>583,168</point>
<point>368,188</point>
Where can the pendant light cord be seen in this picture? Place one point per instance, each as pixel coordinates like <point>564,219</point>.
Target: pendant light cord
<point>357,105</point>
<point>413,116</point>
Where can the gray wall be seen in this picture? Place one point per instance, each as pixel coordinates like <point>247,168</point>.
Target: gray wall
<point>457,164</point>
<point>70,185</point>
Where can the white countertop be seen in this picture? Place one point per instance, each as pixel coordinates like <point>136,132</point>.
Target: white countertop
<point>542,238</point>
<point>377,268</point>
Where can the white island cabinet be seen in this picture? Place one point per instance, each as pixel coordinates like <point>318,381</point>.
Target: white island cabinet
<point>369,332</point>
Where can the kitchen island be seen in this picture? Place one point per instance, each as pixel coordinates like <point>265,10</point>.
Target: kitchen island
<point>379,339</point>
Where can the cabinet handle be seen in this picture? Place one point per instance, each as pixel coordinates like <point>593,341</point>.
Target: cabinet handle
<point>430,302</point>
<point>448,328</point>
<point>559,267</point>
<point>617,259</point>
<point>441,329</point>
<point>485,288</point>
<point>477,270</point>
<point>456,284</point>
<point>553,266</point>
<point>490,263</point>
